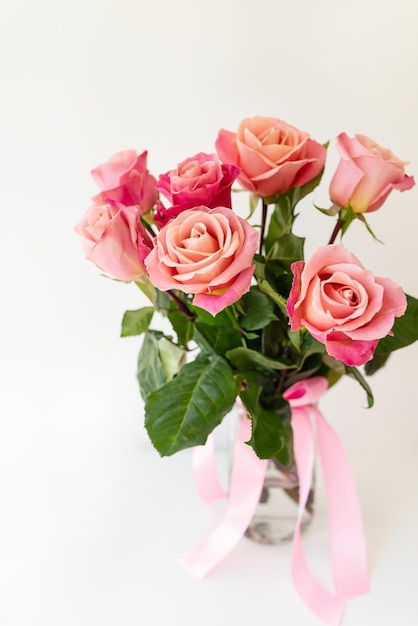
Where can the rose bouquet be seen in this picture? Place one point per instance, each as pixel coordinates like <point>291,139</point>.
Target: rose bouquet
<point>251,321</point>
<point>249,316</point>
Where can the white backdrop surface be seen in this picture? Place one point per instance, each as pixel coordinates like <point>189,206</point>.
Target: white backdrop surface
<point>92,521</point>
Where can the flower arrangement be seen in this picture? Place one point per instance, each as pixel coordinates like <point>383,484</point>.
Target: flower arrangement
<point>249,315</point>
<point>252,321</point>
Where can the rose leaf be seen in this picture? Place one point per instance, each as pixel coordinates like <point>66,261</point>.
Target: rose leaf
<point>184,411</point>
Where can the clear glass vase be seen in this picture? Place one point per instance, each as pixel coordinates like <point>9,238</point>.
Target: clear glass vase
<point>275,517</point>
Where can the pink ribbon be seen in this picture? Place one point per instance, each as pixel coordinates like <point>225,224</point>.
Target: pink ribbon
<point>247,477</point>
<point>204,471</point>
<point>348,550</point>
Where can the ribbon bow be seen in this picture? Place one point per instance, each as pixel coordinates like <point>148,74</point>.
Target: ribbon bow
<point>348,551</point>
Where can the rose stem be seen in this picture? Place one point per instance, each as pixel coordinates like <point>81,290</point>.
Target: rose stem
<point>335,232</point>
<point>280,383</point>
<point>149,228</point>
<point>181,306</point>
<point>263,226</point>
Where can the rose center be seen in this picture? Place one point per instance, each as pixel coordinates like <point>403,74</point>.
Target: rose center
<point>338,294</point>
<point>349,295</point>
<point>200,240</point>
<point>384,153</point>
<point>190,170</point>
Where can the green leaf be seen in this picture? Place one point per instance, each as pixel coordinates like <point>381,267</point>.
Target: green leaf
<point>377,362</point>
<point>150,373</point>
<point>334,364</point>
<point>245,359</point>
<point>136,322</point>
<point>361,217</point>
<point>172,357</point>
<point>221,319</point>
<point>355,373</point>
<point>280,224</point>
<point>218,338</point>
<point>259,310</point>
<point>268,436</point>
<point>287,249</point>
<point>274,295</point>
<point>203,345</point>
<point>163,300</point>
<point>310,344</point>
<point>405,329</point>
<point>216,334</point>
<point>183,412</point>
<point>405,332</point>
<point>182,326</point>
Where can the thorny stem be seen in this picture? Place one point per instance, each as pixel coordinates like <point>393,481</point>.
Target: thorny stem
<point>335,232</point>
<point>263,226</point>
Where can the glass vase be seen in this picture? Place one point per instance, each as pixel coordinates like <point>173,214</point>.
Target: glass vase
<point>275,516</point>
<point>274,519</point>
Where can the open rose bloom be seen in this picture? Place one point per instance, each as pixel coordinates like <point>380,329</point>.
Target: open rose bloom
<point>342,304</point>
<point>273,156</point>
<point>198,180</point>
<point>206,252</point>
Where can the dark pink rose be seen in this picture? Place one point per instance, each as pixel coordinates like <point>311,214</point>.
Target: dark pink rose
<point>199,180</point>
<point>366,174</point>
<point>205,252</point>
<point>126,180</point>
<point>272,155</point>
<point>342,304</point>
<point>114,240</point>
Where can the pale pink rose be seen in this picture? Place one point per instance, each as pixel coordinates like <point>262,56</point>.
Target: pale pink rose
<point>342,304</point>
<point>205,252</point>
<point>125,179</point>
<point>198,180</point>
<point>114,240</point>
<point>366,174</point>
<point>272,155</point>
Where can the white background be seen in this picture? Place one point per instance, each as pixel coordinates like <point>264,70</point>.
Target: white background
<point>92,521</point>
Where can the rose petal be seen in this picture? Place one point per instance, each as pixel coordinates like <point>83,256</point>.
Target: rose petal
<point>214,303</point>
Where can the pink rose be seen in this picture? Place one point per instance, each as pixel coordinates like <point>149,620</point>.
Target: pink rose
<point>114,239</point>
<point>206,252</point>
<point>366,174</point>
<point>125,179</point>
<point>273,156</point>
<point>198,180</point>
<point>342,304</point>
